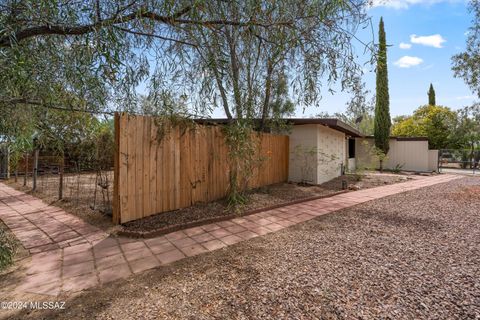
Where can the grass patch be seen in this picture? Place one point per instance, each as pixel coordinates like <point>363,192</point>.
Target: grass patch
<point>8,247</point>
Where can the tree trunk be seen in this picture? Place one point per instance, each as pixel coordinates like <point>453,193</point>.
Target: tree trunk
<point>235,72</point>
<point>266,102</point>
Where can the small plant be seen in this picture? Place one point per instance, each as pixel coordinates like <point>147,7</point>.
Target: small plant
<point>376,153</point>
<point>358,175</point>
<point>244,158</point>
<point>398,168</point>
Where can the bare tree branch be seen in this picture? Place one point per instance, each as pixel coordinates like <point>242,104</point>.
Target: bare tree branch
<point>142,13</point>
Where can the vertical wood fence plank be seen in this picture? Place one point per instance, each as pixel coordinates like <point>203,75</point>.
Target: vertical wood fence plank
<point>153,167</point>
<point>131,171</point>
<point>116,172</point>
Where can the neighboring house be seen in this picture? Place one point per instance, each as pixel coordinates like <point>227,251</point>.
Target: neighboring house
<point>406,153</point>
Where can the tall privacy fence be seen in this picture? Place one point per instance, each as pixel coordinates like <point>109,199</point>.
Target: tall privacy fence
<point>160,168</point>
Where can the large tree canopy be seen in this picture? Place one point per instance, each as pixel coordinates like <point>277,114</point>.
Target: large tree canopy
<point>438,123</point>
<point>249,57</point>
<point>466,64</point>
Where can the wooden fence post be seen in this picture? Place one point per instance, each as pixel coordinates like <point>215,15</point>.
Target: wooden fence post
<point>26,170</point>
<point>35,169</point>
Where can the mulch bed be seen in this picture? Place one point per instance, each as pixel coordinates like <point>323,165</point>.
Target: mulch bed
<point>261,199</point>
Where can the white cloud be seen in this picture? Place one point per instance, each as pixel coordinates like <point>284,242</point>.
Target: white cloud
<point>464,98</point>
<point>435,40</point>
<point>404,45</point>
<point>408,61</point>
<point>405,4</point>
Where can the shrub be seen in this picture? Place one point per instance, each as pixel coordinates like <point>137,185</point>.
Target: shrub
<point>7,249</point>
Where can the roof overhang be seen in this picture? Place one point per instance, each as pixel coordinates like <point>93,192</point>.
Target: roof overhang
<point>332,123</point>
<point>404,138</point>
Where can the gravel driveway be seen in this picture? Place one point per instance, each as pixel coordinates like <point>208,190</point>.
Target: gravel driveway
<point>414,255</point>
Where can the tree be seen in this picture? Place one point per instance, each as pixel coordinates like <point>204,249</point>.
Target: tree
<point>382,108</point>
<point>467,132</point>
<point>93,54</point>
<point>431,96</point>
<point>437,123</point>
<point>262,73</point>
<point>466,64</point>
<point>89,54</point>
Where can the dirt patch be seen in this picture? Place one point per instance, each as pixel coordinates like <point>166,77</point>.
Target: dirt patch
<point>282,193</point>
<point>467,194</point>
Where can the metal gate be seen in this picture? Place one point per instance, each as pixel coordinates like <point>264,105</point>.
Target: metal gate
<point>459,160</point>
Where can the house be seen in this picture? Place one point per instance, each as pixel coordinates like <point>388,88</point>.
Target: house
<point>320,149</point>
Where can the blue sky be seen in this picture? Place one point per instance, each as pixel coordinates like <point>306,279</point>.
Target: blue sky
<point>408,83</point>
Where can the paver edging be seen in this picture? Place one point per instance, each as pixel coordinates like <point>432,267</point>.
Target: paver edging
<point>178,227</point>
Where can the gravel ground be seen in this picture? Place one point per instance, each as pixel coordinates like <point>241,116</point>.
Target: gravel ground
<point>259,198</point>
<point>414,255</point>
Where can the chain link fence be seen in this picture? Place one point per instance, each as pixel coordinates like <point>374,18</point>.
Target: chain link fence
<point>82,187</point>
<point>459,159</point>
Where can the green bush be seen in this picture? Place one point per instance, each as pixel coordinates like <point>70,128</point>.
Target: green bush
<point>7,249</point>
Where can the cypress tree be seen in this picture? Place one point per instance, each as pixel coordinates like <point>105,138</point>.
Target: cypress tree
<point>431,96</point>
<point>382,104</point>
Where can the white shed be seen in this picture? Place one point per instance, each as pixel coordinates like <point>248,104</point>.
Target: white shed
<point>406,153</point>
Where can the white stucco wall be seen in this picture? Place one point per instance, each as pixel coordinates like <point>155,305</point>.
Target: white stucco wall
<point>300,166</point>
<point>432,160</point>
<point>352,164</point>
<point>410,155</point>
<point>316,153</point>
<point>332,153</point>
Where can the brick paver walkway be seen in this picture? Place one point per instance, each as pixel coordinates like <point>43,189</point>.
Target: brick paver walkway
<point>69,255</point>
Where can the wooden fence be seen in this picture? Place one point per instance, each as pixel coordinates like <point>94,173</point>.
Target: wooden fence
<point>156,173</point>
